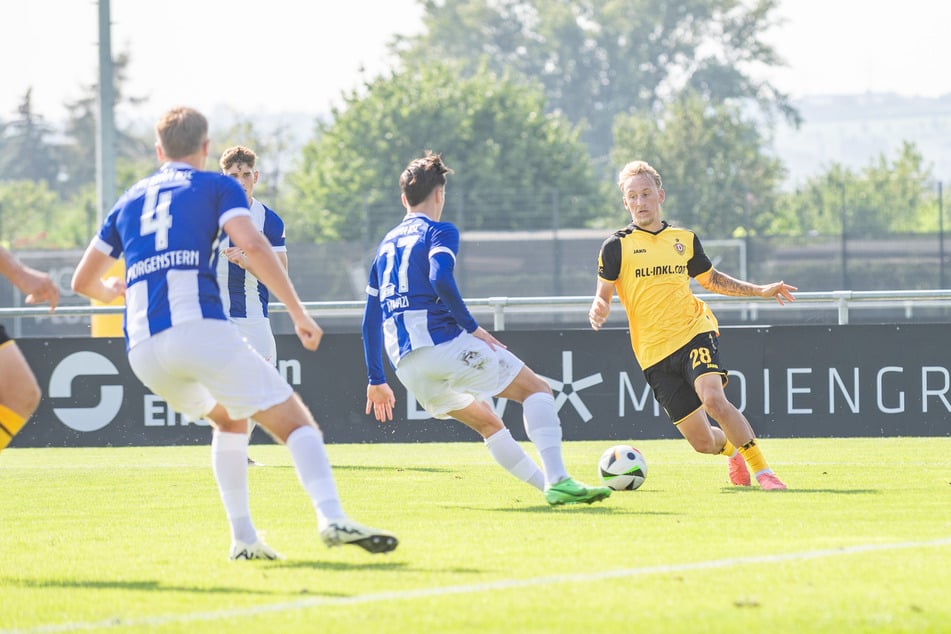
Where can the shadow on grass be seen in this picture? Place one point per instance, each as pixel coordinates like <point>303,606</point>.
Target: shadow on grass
<point>144,586</point>
<point>378,566</point>
<point>158,586</point>
<point>592,509</point>
<point>736,489</point>
<point>364,468</point>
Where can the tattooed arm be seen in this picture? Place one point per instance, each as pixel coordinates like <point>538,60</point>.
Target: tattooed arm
<point>717,282</point>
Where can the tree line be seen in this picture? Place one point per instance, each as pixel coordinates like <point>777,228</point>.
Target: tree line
<point>535,105</point>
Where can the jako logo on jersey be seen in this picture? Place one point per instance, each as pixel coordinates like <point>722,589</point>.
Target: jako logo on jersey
<point>567,389</point>
<point>636,251</point>
<point>85,363</point>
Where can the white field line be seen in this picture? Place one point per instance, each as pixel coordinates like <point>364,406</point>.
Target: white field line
<point>504,584</point>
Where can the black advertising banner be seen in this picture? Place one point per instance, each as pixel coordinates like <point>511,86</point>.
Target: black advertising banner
<point>791,381</point>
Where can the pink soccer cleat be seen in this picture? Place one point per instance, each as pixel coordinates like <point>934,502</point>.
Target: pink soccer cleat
<point>739,474</point>
<point>769,482</point>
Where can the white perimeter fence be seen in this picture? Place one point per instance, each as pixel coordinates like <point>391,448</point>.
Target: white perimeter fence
<point>752,311</point>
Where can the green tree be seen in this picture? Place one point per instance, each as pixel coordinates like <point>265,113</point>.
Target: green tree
<point>884,197</point>
<point>28,152</point>
<point>273,148</point>
<point>80,152</point>
<point>34,216</point>
<point>600,58</point>
<point>516,167</point>
<point>718,178</point>
<point>27,211</point>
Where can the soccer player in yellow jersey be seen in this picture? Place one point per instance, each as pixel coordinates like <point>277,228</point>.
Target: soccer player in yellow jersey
<point>673,332</point>
<point>19,392</point>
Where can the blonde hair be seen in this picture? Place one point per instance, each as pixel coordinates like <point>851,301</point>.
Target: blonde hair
<point>638,167</point>
<point>181,131</point>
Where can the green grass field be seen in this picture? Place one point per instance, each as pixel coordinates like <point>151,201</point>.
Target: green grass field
<point>135,540</point>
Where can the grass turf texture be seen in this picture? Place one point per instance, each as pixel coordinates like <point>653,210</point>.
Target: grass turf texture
<point>135,540</point>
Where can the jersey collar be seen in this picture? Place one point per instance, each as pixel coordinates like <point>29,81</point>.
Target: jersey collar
<point>177,165</point>
<point>663,225</point>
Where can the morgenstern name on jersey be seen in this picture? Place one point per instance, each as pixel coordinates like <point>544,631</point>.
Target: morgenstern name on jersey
<point>666,269</point>
<point>161,261</point>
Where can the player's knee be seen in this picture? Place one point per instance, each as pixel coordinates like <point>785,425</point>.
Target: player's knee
<point>706,445</point>
<point>700,435</point>
<point>525,385</point>
<point>27,399</point>
<point>717,405</point>
<point>488,428</point>
<point>537,385</point>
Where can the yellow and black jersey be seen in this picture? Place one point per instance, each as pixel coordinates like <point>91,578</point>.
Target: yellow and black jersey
<point>651,273</point>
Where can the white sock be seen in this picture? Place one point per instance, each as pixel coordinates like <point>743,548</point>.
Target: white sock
<point>544,430</point>
<point>229,461</point>
<point>306,445</point>
<point>513,458</point>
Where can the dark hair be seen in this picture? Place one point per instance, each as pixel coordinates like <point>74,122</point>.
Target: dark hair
<point>422,176</point>
<point>235,155</point>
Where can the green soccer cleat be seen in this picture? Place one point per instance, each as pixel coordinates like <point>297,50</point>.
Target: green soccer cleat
<point>570,491</point>
<point>345,531</point>
<point>257,550</point>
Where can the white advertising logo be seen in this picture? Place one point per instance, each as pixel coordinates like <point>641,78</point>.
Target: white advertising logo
<point>567,389</point>
<point>85,419</point>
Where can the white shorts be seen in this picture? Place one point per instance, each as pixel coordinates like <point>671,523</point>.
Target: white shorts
<point>456,373</point>
<point>259,334</point>
<point>206,361</point>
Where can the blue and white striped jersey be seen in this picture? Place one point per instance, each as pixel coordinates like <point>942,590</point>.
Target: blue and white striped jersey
<point>242,294</point>
<point>168,226</point>
<point>413,314</point>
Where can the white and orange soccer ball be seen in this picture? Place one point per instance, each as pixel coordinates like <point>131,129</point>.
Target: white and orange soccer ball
<point>622,468</point>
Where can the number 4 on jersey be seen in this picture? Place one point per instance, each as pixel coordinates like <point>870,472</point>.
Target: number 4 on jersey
<point>155,217</point>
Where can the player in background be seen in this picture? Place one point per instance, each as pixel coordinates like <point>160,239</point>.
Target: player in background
<point>179,341</point>
<point>19,392</point>
<point>441,354</point>
<point>244,296</point>
<point>674,333</point>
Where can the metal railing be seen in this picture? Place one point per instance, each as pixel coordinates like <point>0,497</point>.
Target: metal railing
<point>841,301</point>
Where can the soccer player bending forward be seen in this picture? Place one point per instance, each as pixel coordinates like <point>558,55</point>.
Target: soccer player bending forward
<point>180,343</point>
<point>440,353</point>
<point>674,333</point>
<point>19,392</point>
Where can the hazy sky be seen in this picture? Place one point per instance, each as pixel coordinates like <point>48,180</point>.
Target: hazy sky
<point>241,53</point>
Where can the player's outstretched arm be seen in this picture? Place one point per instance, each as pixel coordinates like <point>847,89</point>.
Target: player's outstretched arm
<point>36,285</point>
<point>780,290</point>
<point>601,306</point>
<point>488,337</point>
<point>88,280</point>
<point>717,282</point>
<point>380,399</point>
<point>237,256</point>
<point>269,270</point>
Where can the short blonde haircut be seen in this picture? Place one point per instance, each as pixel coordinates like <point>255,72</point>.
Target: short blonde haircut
<point>181,131</point>
<point>638,167</point>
